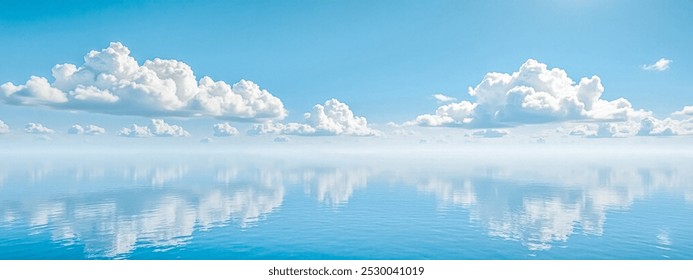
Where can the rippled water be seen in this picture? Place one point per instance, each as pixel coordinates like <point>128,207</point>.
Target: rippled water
<point>350,207</point>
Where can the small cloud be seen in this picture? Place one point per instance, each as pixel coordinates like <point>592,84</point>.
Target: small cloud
<point>206,140</point>
<point>403,132</point>
<point>687,111</point>
<point>332,118</point>
<point>135,131</point>
<point>37,128</point>
<point>224,130</point>
<point>4,128</point>
<point>443,98</point>
<point>157,127</point>
<point>86,130</point>
<point>604,130</point>
<point>393,125</point>
<point>661,65</point>
<point>491,133</point>
<point>282,139</point>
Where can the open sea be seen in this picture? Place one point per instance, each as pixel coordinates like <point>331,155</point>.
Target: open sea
<point>344,206</point>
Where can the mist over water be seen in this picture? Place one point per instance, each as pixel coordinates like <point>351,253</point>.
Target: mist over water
<point>481,204</point>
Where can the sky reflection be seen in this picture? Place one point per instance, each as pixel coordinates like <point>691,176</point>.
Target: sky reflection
<point>113,208</point>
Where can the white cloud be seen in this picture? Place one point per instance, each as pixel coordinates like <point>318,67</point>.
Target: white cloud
<point>533,94</point>
<point>687,111</point>
<point>491,133</point>
<point>37,128</point>
<point>4,128</point>
<point>157,127</point>
<point>648,126</point>
<point>443,98</point>
<point>206,140</point>
<point>113,82</point>
<point>661,65</point>
<point>136,131</point>
<point>332,118</point>
<point>224,129</point>
<point>604,130</point>
<point>666,127</point>
<point>87,130</point>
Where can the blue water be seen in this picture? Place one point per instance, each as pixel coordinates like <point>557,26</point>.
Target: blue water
<point>239,206</point>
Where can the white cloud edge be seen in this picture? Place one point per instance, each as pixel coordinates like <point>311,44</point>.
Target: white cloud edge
<point>660,65</point>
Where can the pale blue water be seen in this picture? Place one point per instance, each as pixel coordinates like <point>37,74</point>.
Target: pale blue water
<point>350,207</point>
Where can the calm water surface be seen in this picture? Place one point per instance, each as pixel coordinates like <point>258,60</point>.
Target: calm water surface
<point>356,207</point>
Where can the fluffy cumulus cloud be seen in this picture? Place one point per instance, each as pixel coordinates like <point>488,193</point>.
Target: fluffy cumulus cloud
<point>331,118</point>
<point>113,82</point>
<point>224,129</point>
<point>37,128</point>
<point>4,128</point>
<point>87,130</point>
<point>533,94</point>
<point>661,65</point>
<point>157,127</point>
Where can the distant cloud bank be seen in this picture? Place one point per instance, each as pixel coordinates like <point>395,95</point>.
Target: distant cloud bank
<point>157,127</point>
<point>331,118</point>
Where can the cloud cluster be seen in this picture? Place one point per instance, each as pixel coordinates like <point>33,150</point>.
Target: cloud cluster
<point>86,130</point>
<point>332,118</point>
<point>533,94</point>
<point>224,129</point>
<point>649,126</point>
<point>113,82</point>
<point>37,128</point>
<point>661,65</point>
<point>157,127</point>
<point>4,128</point>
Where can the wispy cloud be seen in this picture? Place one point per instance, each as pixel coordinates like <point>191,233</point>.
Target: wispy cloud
<point>661,65</point>
<point>491,133</point>
<point>443,98</point>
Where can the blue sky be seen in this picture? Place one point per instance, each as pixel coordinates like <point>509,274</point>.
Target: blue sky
<point>385,59</point>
